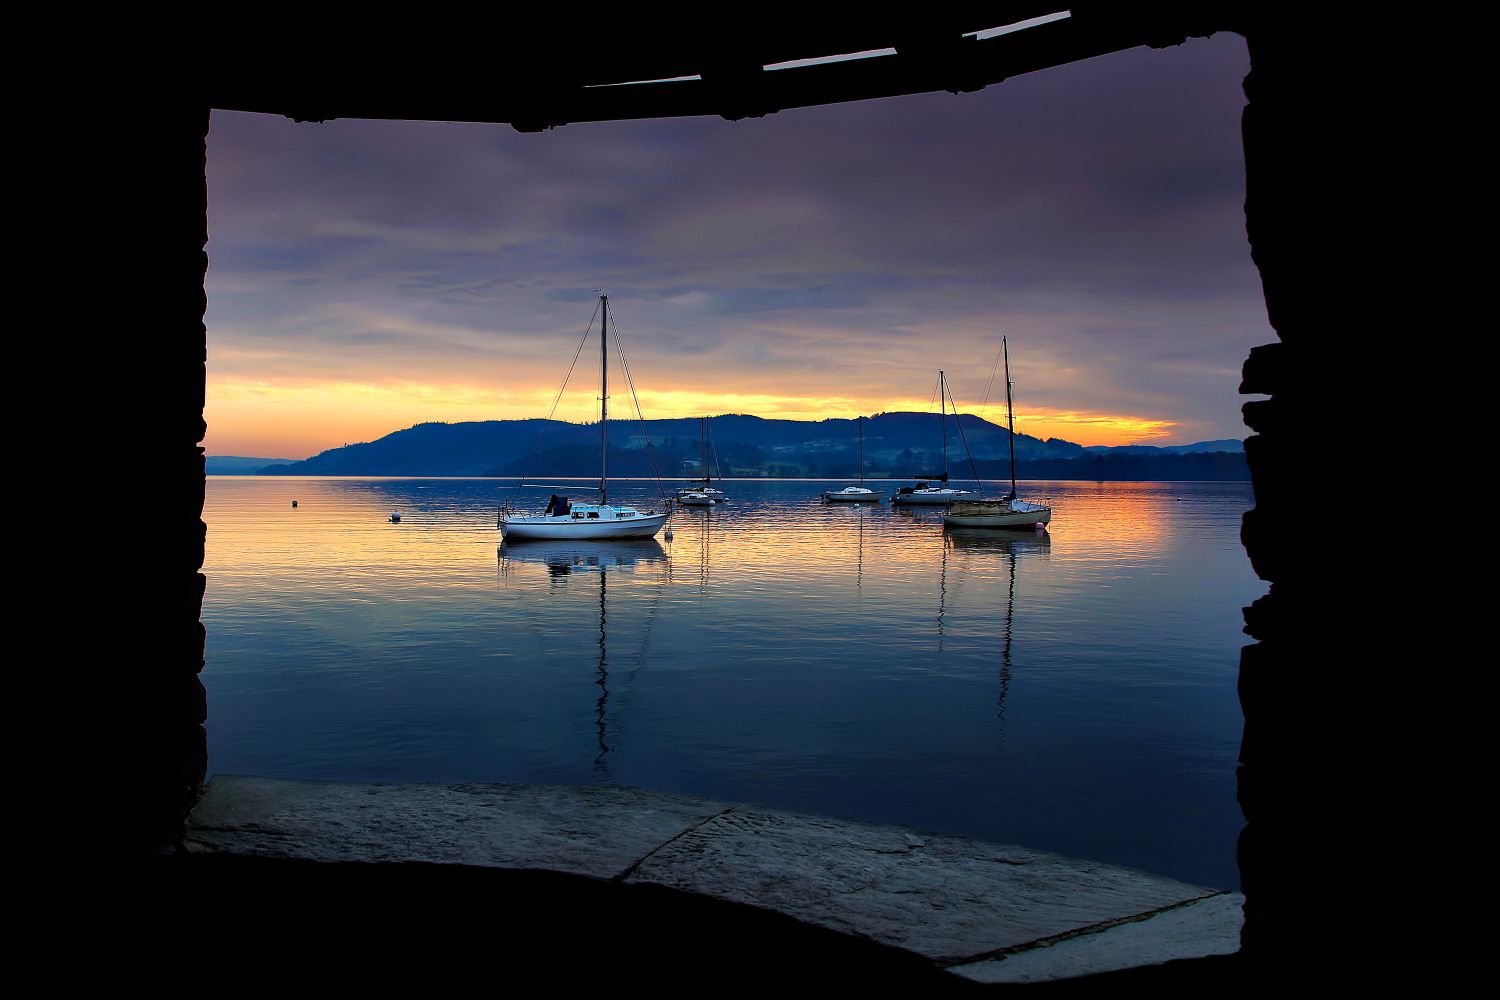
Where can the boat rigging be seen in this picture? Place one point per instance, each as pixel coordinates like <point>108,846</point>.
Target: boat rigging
<point>564,519</point>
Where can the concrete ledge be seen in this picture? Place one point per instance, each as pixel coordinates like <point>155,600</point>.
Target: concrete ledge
<point>989,912</point>
<point>596,830</point>
<point>1206,927</point>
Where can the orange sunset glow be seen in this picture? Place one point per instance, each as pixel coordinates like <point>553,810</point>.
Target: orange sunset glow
<point>303,419</point>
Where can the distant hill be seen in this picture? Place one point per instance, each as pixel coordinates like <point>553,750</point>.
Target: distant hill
<point>237,465</point>
<point>501,447</point>
<point>436,449</point>
<point>899,445</point>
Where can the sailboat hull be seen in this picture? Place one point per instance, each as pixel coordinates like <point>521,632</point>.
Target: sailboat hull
<point>642,526</point>
<point>840,497</point>
<point>984,515</point>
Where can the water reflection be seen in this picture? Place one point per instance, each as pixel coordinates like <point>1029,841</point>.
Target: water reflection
<point>779,650</point>
<point>1010,545</point>
<point>838,535</point>
<point>702,518</point>
<point>998,540</point>
<point>562,560</point>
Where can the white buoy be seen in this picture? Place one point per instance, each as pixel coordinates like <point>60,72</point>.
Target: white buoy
<point>395,517</point>
<point>1041,529</point>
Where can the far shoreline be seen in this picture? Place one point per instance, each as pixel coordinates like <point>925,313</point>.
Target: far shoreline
<point>690,479</point>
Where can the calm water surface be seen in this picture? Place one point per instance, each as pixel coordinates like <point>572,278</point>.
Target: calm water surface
<point>1073,692</point>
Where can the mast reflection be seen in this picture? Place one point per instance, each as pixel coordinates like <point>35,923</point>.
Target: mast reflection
<point>942,594</point>
<point>835,532</point>
<point>705,530</point>
<point>1012,544</point>
<point>859,572</point>
<point>564,560</point>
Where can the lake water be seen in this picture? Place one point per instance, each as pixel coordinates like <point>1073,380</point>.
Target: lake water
<point>1073,692</point>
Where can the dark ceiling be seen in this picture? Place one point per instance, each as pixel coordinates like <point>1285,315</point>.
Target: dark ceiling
<point>539,70</point>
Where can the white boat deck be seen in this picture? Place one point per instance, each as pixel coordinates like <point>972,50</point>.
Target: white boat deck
<point>852,493</point>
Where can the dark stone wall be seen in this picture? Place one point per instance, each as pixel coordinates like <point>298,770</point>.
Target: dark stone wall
<point>1310,684</point>
<point>152,356</point>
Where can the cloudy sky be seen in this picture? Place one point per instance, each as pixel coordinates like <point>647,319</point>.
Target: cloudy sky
<point>365,276</point>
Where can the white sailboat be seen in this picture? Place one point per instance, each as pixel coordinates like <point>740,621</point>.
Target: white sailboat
<point>563,519</point>
<point>928,493</point>
<point>1009,511</point>
<point>703,494</point>
<point>856,494</point>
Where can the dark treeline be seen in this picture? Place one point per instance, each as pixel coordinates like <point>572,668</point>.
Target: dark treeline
<point>1198,465</point>
<point>676,459</point>
<point>582,460</point>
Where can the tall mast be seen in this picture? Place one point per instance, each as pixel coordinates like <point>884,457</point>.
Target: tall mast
<point>943,418</point>
<point>603,681</point>
<point>603,395</point>
<point>703,449</point>
<point>1010,417</point>
<point>861,422</point>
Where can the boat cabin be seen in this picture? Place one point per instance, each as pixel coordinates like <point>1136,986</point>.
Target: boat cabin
<point>560,506</point>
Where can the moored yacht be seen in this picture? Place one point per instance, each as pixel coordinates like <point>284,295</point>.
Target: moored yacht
<point>703,493</point>
<point>1002,513</point>
<point>564,519</point>
<point>927,491</point>
<point>1008,511</point>
<point>708,493</point>
<point>856,494</point>
<point>930,493</point>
